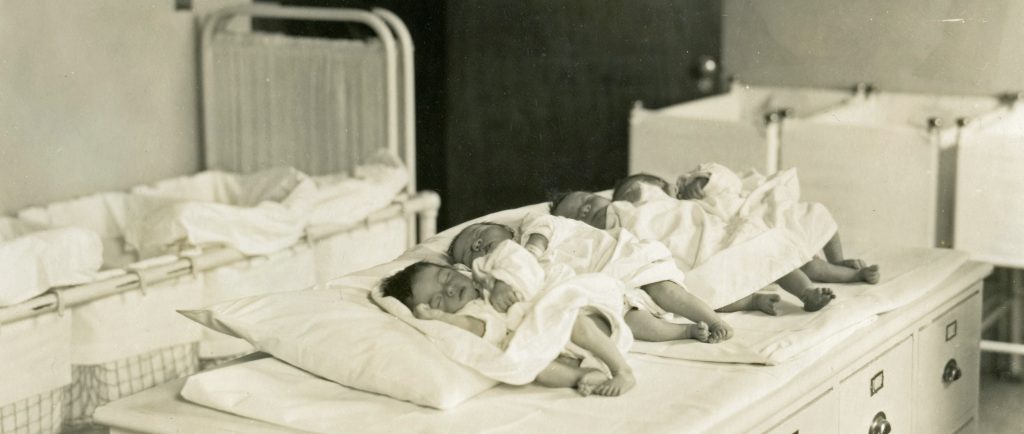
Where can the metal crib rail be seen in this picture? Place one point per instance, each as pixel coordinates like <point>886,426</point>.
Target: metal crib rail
<point>423,204</point>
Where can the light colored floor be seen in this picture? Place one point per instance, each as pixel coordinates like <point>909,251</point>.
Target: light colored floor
<point>1001,406</point>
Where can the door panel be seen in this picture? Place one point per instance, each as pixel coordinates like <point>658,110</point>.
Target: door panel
<point>539,92</point>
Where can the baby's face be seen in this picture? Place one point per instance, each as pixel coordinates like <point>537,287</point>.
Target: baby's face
<point>586,207</point>
<point>442,288</point>
<point>478,240</point>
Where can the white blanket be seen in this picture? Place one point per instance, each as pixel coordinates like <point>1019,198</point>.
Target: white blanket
<point>256,213</point>
<point>543,333</point>
<point>732,248</point>
<point>33,261</point>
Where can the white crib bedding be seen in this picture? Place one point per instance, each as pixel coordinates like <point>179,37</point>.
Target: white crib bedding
<point>34,260</point>
<point>256,213</point>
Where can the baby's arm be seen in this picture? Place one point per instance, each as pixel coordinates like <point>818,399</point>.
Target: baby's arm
<point>503,296</point>
<point>511,274</point>
<point>537,244</point>
<point>467,323</point>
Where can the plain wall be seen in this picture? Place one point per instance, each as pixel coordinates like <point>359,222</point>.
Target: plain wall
<point>933,46</point>
<point>95,95</point>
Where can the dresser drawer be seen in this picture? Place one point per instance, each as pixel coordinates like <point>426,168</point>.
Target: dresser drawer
<point>818,416</point>
<point>947,374</point>
<point>880,393</point>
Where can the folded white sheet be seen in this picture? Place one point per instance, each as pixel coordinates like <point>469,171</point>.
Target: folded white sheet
<point>32,261</point>
<point>764,339</point>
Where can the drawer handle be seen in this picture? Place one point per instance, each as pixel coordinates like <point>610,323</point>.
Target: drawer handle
<point>880,425</point>
<point>951,373</point>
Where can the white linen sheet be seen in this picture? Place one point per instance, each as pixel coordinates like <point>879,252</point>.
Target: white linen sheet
<point>671,396</point>
<point>772,340</point>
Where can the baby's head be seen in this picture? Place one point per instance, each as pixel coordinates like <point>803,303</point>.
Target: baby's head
<point>628,188</point>
<point>477,240</point>
<point>438,286</point>
<point>583,206</point>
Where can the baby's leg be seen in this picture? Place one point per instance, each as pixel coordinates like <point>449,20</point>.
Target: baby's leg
<point>563,373</point>
<point>756,301</point>
<point>834,254</point>
<point>834,249</point>
<point>679,301</point>
<point>819,270</point>
<point>647,327</point>
<point>798,284</point>
<point>588,335</point>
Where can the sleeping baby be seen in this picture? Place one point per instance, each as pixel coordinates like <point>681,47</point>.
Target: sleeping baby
<point>442,293</point>
<point>565,247</point>
<point>724,260</point>
<point>773,201</point>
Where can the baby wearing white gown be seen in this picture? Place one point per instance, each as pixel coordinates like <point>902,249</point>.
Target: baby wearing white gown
<point>563,247</point>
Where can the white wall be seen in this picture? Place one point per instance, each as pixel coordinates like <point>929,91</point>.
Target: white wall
<point>95,95</point>
<point>942,46</point>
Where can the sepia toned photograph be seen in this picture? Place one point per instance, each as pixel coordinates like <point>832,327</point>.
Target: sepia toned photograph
<point>511,216</point>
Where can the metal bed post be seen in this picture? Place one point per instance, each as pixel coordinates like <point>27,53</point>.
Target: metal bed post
<point>426,225</point>
<point>773,136</point>
<point>406,88</point>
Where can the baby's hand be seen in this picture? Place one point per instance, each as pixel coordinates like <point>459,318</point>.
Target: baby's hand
<point>424,311</point>
<point>694,188</point>
<point>504,296</point>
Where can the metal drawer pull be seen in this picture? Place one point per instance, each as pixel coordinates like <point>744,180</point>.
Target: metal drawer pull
<point>880,425</point>
<point>951,373</point>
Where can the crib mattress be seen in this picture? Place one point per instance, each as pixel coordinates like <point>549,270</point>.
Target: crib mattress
<point>671,395</point>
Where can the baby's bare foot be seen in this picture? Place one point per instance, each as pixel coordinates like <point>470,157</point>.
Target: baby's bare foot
<point>766,302</point>
<point>816,298</point>
<point>698,331</point>
<point>720,331</point>
<point>855,264</point>
<point>593,378</point>
<point>869,274</point>
<point>620,383</point>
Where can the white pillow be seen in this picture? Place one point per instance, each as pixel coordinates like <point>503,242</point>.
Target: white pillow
<point>351,343</point>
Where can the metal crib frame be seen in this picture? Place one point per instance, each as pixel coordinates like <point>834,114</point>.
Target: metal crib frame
<point>398,58</point>
<point>424,204</point>
<point>419,208</point>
